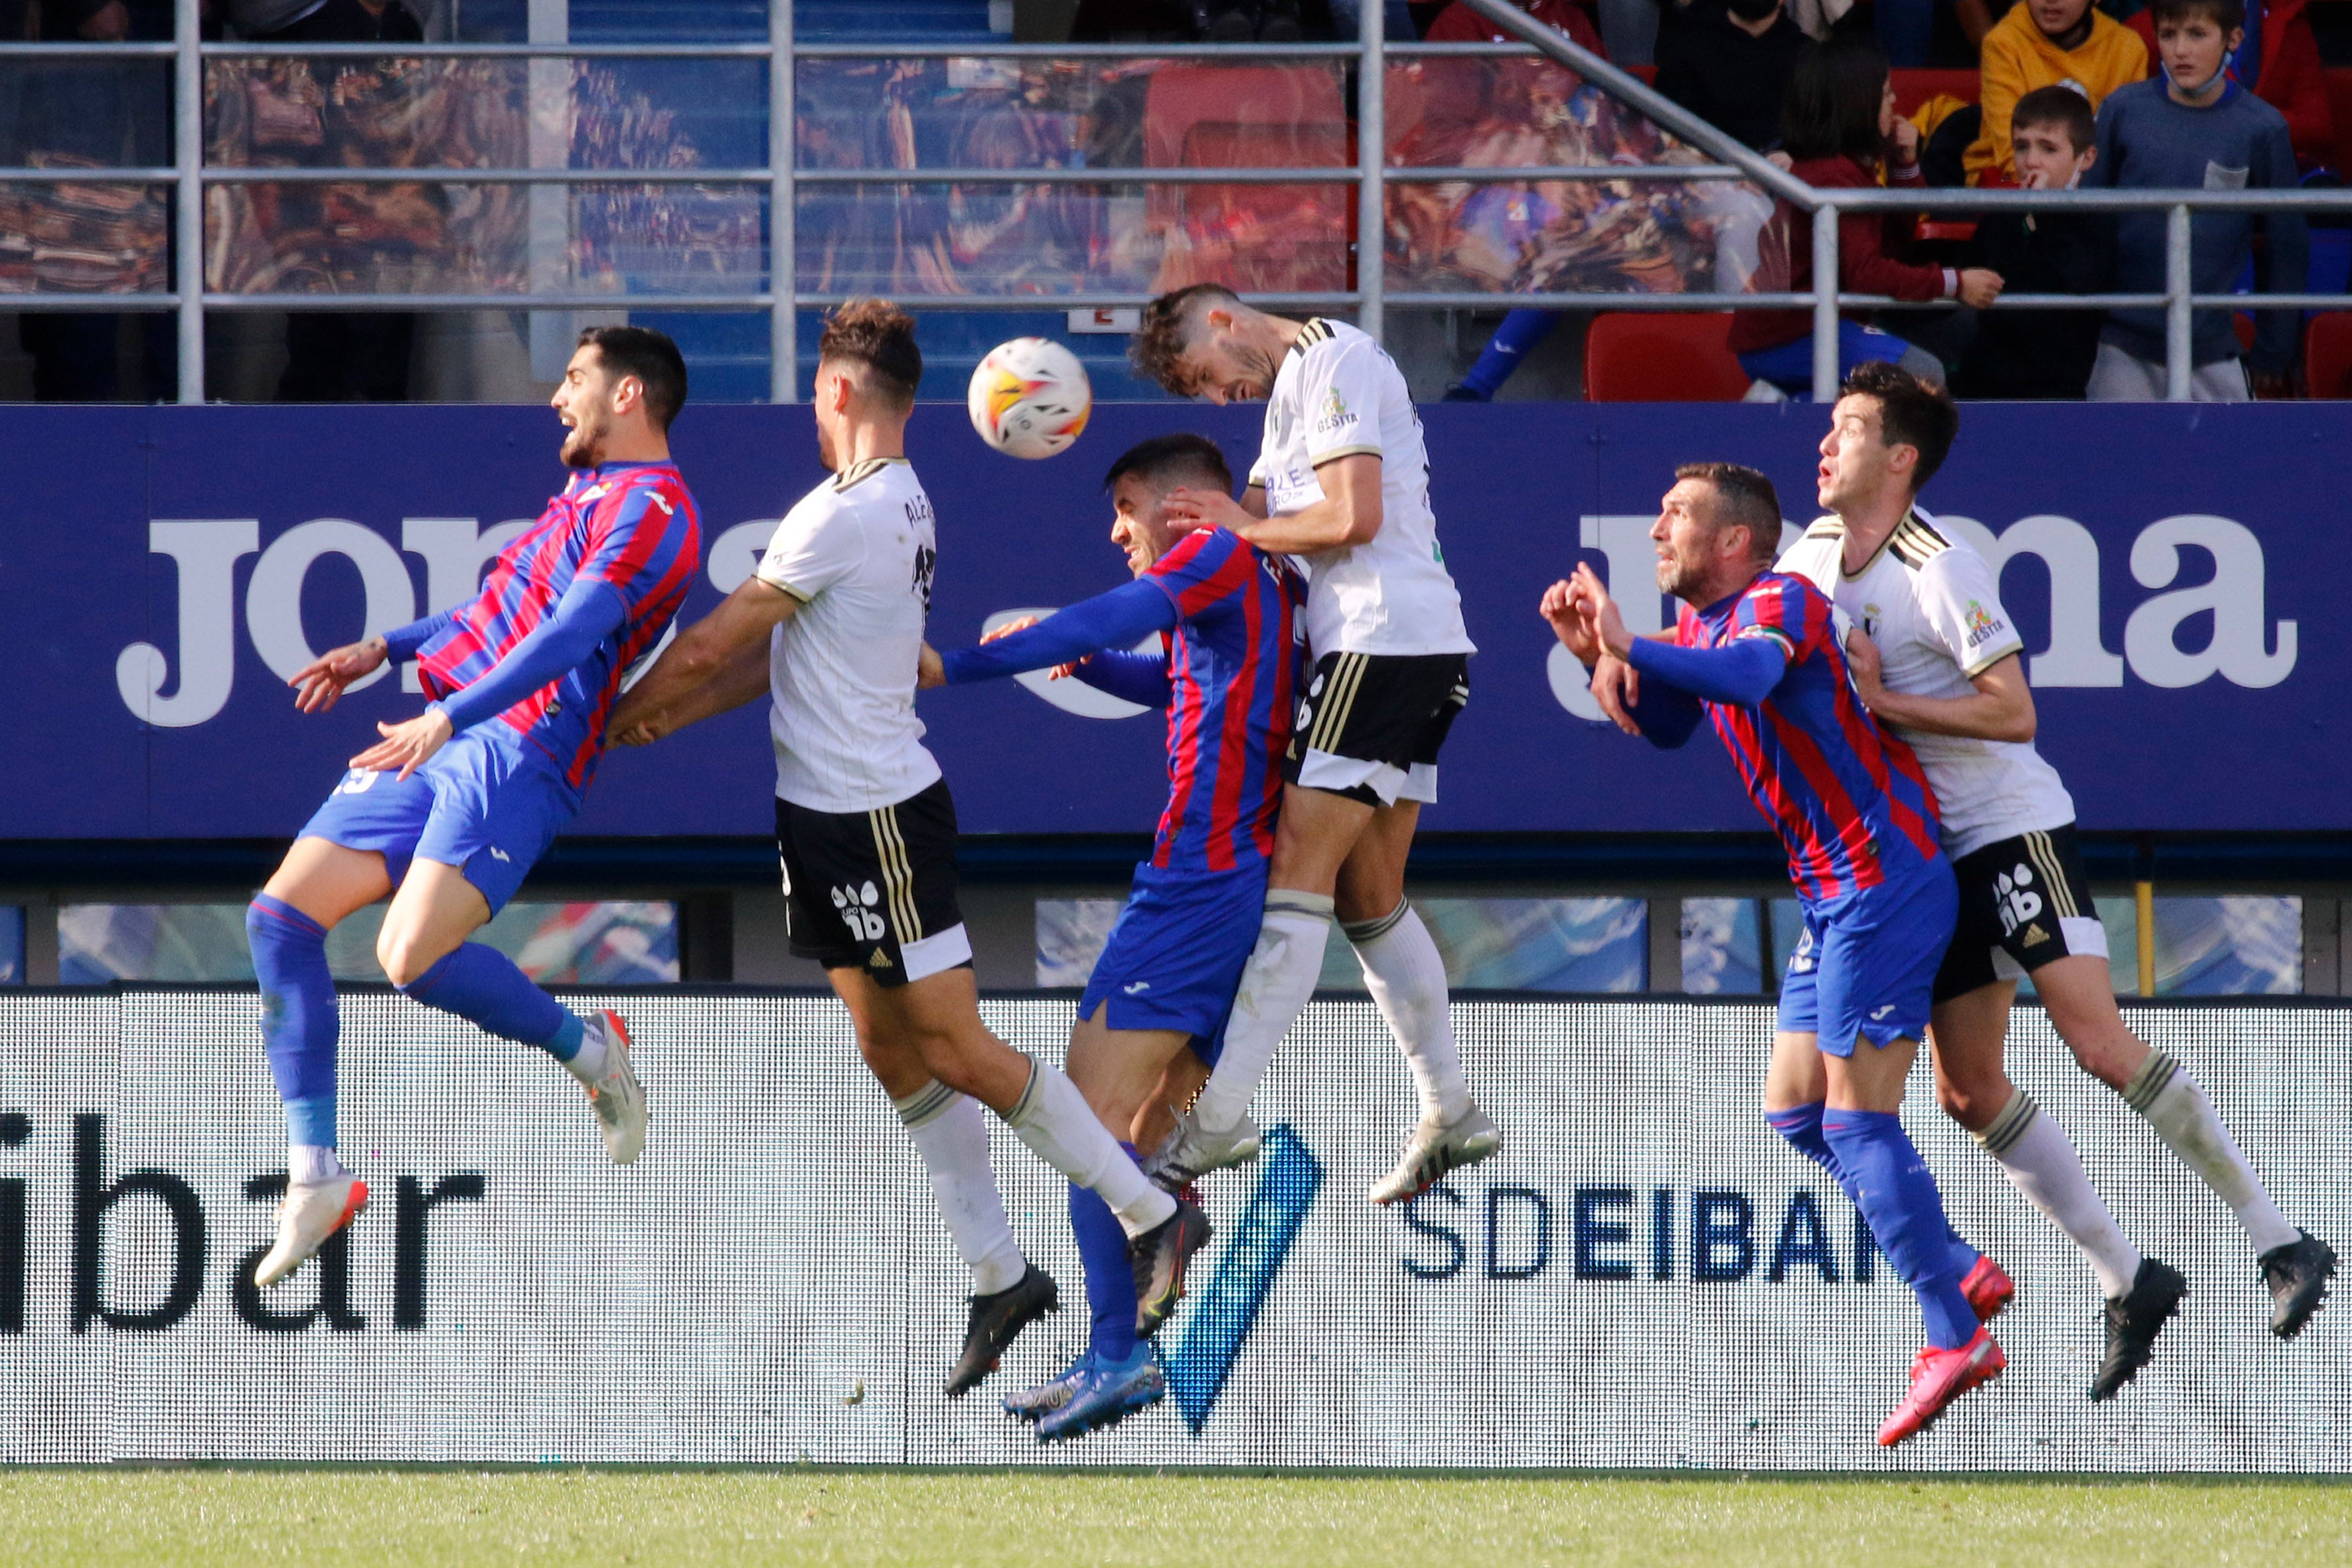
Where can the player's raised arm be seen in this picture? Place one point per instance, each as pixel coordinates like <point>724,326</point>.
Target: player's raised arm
<point>1113,621</point>
<point>716,665</point>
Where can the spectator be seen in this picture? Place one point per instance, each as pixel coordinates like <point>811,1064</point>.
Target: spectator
<point>1729,62</point>
<point>2044,43</point>
<point>1267,21</point>
<point>1840,131</point>
<point>1520,331</point>
<point>1460,24</point>
<point>2278,63</point>
<point>2044,355</point>
<point>2194,129</point>
<point>337,356</point>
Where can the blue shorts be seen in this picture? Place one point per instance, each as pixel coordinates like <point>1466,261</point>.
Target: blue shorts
<point>1790,367</point>
<point>1176,954</point>
<point>1865,966</point>
<point>489,809</point>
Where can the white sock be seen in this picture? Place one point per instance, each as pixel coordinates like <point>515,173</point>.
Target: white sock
<point>1279,978</point>
<point>951,1135</point>
<point>587,1064</point>
<point>1406,976</point>
<point>2039,1159</point>
<point>1061,1129</point>
<point>2163,1092</point>
<point>308,1164</point>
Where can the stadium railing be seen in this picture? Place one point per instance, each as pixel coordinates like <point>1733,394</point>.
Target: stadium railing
<point>191,177</point>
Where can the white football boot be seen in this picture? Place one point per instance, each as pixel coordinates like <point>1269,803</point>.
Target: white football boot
<point>307,1215</point>
<point>615,1095</point>
<point>1194,1150</point>
<point>1435,1149</point>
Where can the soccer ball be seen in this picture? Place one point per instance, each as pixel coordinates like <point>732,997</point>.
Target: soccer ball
<point>1030,397</point>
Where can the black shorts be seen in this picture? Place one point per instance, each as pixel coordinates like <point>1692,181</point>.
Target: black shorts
<point>2024,902</point>
<point>1371,725</point>
<point>874,891</point>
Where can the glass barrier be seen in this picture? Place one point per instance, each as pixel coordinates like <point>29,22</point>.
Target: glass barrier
<point>1124,234</point>
<point>1658,237</point>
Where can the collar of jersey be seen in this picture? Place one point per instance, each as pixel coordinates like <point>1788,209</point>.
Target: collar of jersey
<point>1909,513</point>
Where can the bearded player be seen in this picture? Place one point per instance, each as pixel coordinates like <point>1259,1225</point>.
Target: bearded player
<point>1758,653</point>
<point>448,811</point>
<point>1939,660</point>
<point>1157,1003</point>
<point>1341,482</point>
<point>830,628</point>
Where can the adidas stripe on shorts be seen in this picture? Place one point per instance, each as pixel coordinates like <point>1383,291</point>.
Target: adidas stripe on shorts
<point>2024,901</point>
<point>1371,725</point>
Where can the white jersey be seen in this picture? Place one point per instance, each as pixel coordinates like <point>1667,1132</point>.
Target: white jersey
<point>857,552</point>
<point>1933,606</point>
<point>1338,394</point>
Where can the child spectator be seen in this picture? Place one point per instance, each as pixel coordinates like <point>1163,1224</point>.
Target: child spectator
<point>2046,43</point>
<point>1839,130</point>
<point>2042,353</point>
<point>2278,63</point>
<point>2197,129</point>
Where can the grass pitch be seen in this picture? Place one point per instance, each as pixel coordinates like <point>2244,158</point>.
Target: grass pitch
<point>165,1519</point>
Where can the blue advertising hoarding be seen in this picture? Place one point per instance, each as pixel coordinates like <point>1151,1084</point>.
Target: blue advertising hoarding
<point>167,568</point>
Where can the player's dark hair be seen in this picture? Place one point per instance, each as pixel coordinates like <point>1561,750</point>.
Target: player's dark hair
<point>1831,107</point>
<point>1158,349</point>
<point>652,358</point>
<point>1164,461</point>
<point>879,337</point>
<point>2226,15</point>
<point>1745,499</point>
<point>2060,105</point>
<point>1911,413</point>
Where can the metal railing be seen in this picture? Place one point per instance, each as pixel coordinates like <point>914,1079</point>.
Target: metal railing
<point>190,176</point>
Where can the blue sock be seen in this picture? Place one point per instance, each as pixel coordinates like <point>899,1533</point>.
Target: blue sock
<point>482,986</point>
<point>299,1023</point>
<point>1110,1280</point>
<point>1898,1197</point>
<point>1520,331</point>
<point>1802,1126</point>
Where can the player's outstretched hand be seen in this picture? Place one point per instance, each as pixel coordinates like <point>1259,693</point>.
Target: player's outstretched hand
<point>931,669</point>
<point>317,683</point>
<point>1209,509</point>
<point>407,746</point>
<point>1617,687</point>
<point>1009,628</point>
<point>1600,610</point>
<point>1561,610</point>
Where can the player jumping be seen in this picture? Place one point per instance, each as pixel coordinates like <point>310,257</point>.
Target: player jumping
<point>1940,662</point>
<point>1757,653</point>
<point>449,810</point>
<point>1165,981</point>
<point>831,625</point>
<point>1342,482</point>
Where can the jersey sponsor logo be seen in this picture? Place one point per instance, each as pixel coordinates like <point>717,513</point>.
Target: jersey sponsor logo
<point>1336,413</point>
<point>1982,625</point>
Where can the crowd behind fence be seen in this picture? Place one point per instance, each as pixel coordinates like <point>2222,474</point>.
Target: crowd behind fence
<point>489,176</point>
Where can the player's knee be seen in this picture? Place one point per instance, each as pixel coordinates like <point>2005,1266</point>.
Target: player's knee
<point>1971,1103</point>
<point>406,956</point>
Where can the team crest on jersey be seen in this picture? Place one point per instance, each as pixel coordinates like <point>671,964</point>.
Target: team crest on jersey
<point>1871,615</point>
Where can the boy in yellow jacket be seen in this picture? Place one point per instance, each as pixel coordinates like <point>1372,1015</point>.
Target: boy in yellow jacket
<point>2047,43</point>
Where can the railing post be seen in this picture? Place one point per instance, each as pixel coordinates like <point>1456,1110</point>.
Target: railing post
<point>783,262</point>
<point>188,157</point>
<point>2179,323</point>
<point>1372,158</point>
<point>1826,305</point>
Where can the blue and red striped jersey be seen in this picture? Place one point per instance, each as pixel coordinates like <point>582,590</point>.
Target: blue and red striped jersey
<point>1850,802</point>
<point>1232,668</point>
<point>632,525</point>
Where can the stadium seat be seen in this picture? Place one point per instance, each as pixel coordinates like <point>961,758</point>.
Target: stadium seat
<point>2328,353</point>
<point>1641,357</point>
<point>1913,87</point>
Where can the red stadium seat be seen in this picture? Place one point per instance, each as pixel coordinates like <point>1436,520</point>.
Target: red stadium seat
<point>2327,354</point>
<point>1913,87</point>
<point>1641,357</point>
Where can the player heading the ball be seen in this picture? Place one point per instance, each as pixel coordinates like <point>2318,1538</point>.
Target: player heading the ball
<point>1759,655</point>
<point>1341,481</point>
<point>830,627</point>
<point>449,810</point>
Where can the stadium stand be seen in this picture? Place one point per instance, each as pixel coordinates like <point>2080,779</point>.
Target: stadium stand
<point>1642,357</point>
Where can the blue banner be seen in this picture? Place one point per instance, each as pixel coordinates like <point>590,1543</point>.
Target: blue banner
<point>169,567</point>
